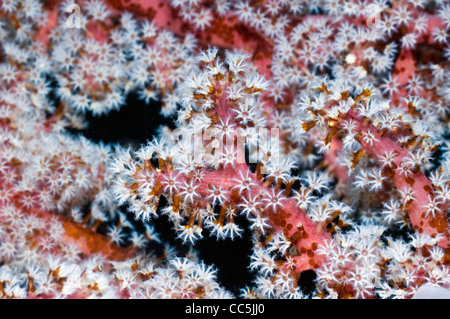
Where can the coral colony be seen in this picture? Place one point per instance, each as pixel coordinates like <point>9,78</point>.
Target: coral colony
<point>315,131</point>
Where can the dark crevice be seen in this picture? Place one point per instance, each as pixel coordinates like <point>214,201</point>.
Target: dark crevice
<point>134,124</point>
<point>231,257</point>
<point>307,282</point>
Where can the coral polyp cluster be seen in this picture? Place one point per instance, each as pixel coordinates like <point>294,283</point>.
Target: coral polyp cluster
<point>316,132</point>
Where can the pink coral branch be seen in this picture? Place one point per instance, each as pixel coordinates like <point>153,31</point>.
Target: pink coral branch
<point>417,181</point>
